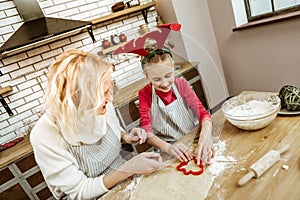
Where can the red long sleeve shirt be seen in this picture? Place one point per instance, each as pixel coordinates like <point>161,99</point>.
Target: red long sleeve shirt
<point>189,97</point>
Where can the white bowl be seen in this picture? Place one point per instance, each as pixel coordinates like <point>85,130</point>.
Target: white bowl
<point>251,111</point>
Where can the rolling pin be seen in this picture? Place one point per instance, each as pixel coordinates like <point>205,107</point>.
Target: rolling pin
<point>263,164</point>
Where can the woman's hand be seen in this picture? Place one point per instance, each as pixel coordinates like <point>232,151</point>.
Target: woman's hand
<point>179,150</point>
<point>135,135</point>
<point>205,149</point>
<point>144,163</point>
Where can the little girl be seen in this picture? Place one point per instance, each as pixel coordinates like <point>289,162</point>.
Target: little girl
<point>164,109</point>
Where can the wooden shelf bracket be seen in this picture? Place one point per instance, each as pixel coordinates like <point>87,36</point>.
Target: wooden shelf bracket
<point>90,31</point>
<point>145,12</point>
<point>2,100</point>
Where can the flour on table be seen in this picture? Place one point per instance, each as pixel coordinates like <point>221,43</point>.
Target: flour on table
<point>129,189</point>
<point>252,107</point>
<point>221,162</point>
<point>169,184</point>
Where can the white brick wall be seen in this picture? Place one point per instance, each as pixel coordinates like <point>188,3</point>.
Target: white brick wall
<point>26,72</point>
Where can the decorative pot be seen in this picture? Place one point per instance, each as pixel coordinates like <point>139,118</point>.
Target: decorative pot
<point>122,37</point>
<point>118,6</point>
<point>105,43</point>
<point>144,29</point>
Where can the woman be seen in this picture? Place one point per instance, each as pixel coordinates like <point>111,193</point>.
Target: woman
<point>77,141</point>
<point>164,108</point>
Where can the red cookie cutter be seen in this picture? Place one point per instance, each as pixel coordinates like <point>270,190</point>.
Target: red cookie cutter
<point>180,167</point>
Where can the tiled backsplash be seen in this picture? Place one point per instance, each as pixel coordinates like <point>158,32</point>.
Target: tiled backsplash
<point>27,72</point>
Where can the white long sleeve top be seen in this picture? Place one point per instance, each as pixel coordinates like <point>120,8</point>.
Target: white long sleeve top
<point>58,166</point>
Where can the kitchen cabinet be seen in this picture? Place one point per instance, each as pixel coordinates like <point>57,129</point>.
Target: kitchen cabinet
<point>126,100</point>
<point>194,78</point>
<point>22,179</point>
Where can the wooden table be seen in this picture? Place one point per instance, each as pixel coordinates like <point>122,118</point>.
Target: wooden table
<point>246,147</point>
<point>16,152</point>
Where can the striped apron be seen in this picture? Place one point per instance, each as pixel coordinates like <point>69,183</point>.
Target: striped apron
<point>99,158</point>
<point>170,122</point>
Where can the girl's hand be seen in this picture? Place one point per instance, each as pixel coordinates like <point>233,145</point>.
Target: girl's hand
<point>135,135</point>
<point>205,149</point>
<point>179,150</point>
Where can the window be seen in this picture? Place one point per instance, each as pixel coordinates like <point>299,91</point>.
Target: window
<point>253,13</point>
<point>259,9</point>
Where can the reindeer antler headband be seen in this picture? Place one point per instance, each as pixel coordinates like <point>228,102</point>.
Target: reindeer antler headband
<point>136,46</point>
<point>156,51</point>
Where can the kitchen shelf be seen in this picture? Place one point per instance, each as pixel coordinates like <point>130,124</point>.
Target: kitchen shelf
<point>5,89</point>
<point>126,11</point>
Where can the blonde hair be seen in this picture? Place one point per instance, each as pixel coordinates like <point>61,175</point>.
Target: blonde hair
<point>75,88</point>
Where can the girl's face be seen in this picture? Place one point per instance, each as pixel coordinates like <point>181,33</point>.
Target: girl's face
<point>108,96</point>
<point>161,75</point>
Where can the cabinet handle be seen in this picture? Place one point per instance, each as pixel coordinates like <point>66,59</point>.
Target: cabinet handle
<point>137,103</point>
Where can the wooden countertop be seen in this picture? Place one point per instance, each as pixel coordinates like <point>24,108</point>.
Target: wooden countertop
<point>246,147</point>
<point>16,152</point>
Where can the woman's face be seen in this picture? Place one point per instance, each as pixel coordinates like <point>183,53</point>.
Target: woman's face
<point>161,75</point>
<point>108,96</point>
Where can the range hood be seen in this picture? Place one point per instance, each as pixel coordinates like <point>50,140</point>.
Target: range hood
<point>39,30</point>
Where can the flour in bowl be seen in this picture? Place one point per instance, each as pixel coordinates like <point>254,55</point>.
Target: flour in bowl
<point>252,107</point>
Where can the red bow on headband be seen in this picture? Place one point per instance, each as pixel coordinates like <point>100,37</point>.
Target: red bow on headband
<point>136,46</point>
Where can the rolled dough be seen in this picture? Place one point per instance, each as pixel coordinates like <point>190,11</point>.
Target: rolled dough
<point>170,184</point>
